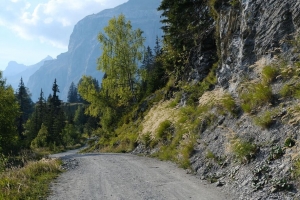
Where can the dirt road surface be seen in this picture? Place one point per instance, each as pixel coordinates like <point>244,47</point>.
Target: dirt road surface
<point>128,177</point>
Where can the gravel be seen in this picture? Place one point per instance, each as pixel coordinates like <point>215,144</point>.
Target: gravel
<point>126,176</point>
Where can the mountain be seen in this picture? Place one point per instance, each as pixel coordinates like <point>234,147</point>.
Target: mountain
<point>13,68</point>
<point>15,71</point>
<point>84,48</point>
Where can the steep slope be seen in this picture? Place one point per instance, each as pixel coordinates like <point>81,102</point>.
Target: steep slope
<point>13,73</point>
<point>84,48</point>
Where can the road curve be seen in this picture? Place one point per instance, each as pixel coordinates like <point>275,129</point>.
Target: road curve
<point>128,177</point>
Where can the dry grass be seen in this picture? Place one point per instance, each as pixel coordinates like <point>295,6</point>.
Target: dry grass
<point>158,114</point>
<point>29,182</point>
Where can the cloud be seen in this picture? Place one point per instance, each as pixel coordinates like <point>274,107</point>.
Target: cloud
<point>50,21</point>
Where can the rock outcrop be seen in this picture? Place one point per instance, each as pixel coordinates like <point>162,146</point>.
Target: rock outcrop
<point>252,30</point>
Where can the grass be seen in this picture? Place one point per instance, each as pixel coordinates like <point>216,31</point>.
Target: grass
<point>269,73</point>
<point>242,150</point>
<point>296,169</point>
<point>266,119</point>
<point>254,95</point>
<point>30,182</point>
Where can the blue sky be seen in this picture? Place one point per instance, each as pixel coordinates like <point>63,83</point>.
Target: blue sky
<point>32,29</point>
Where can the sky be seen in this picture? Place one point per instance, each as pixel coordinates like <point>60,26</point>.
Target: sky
<point>32,29</point>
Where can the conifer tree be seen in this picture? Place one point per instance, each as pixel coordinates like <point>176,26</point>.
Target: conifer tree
<point>72,94</point>
<point>26,107</point>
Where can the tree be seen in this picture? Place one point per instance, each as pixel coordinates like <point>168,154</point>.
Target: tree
<point>122,50</point>
<point>72,94</point>
<point>9,111</point>
<point>186,23</point>
<point>26,107</point>
<point>33,124</point>
<point>55,118</point>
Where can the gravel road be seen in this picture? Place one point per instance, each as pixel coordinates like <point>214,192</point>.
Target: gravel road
<point>127,177</point>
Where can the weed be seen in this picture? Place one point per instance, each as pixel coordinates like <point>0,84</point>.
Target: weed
<point>269,73</point>
<point>276,152</point>
<point>163,131</point>
<point>280,185</point>
<point>29,182</point>
<point>290,90</point>
<point>146,139</point>
<point>293,115</point>
<point>266,119</point>
<point>243,150</point>
<point>255,95</point>
<point>210,155</point>
<point>296,169</point>
<point>289,142</point>
<point>261,176</point>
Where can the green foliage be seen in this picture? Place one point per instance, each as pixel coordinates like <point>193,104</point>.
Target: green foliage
<point>122,50</point>
<point>296,169</point>
<point>145,139</point>
<point>234,3</point>
<point>72,94</point>
<point>269,73</point>
<point>266,119</point>
<point>290,89</point>
<point>41,139</point>
<point>9,111</point>
<point>289,142</point>
<point>163,131</point>
<point>242,150</point>
<point>276,152</point>
<point>71,136</point>
<point>26,108</point>
<point>254,95</point>
<point>29,182</point>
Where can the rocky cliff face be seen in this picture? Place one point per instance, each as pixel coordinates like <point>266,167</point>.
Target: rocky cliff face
<point>252,30</point>
<point>254,34</point>
<point>84,48</point>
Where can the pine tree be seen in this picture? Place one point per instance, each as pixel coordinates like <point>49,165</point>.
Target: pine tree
<point>34,123</point>
<point>72,94</point>
<point>55,118</point>
<point>26,107</point>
